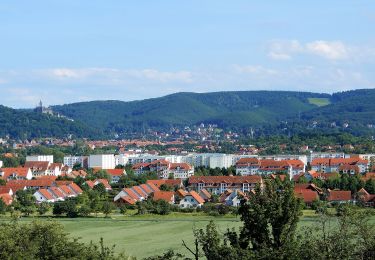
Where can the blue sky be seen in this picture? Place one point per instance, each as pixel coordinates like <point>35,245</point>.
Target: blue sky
<point>68,50</point>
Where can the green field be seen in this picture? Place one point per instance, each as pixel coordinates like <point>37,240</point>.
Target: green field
<point>320,102</point>
<point>148,235</point>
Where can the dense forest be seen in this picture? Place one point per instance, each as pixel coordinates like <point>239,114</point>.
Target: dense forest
<point>267,112</point>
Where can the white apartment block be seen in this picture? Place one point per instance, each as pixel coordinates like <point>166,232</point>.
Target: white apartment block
<point>72,160</point>
<point>102,161</point>
<point>327,156</point>
<point>39,158</point>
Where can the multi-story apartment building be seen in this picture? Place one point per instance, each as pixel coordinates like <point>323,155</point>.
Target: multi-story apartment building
<point>342,165</point>
<point>73,160</point>
<point>102,161</point>
<point>219,184</point>
<point>164,168</point>
<point>39,158</point>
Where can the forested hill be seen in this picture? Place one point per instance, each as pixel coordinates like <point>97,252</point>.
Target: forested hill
<point>235,109</point>
<point>268,112</point>
<point>23,124</point>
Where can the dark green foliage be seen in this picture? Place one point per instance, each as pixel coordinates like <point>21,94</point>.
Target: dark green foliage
<point>28,124</point>
<point>68,207</point>
<point>107,208</point>
<point>47,240</point>
<point>3,207</point>
<point>25,202</point>
<point>159,207</point>
<point>43,208</point>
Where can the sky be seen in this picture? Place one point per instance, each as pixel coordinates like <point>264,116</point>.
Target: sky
<point>65,51</point>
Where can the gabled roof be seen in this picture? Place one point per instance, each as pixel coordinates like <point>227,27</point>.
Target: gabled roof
<point>131,193</point>
<point>152,187</point>
<point>243,162</point>
<point>18,171</point>
<point>164,195</point>
<point>308,196</point>
<point>75,188</point>
<point>116,172</point>
<point>57,192</point>
<point>6,190</point>
<point>181,193</point>
<point>36,165</point>
<point>89,183</point>
<point>15,186</point>
<point>33,183</point>
<point>46,194</point>
<point>145,188</point>
<point>205,193</point>
<point>138,190</point>
<point>183,166</point>
<point>168,182</point>
<point>67,191</point>
<point>196,196</point>
<point>128,200</point>
<point>339,195</point>
<point>6,198</point>
<point>225,179</point>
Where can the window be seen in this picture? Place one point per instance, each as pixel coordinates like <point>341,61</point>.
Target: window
<point>192,200</point>
<point>223,187</point>
<point>245,187</point>
<point>200,186</point>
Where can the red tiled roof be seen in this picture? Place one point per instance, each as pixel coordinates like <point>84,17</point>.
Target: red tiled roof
<point>339,195</point>
<point>140,191</point>
<point>6,198</point>
<point>152,187</point>
<point>226,179</point>
<point>181,193</point>
<point>33,183</point>
<point>184,166</point>
<point>89,183</point>
<point>15,186</point>
<point>57,192</point>
<point>35,165</point>
<point>46,194</point>
<point>337,161</point>
<point>205,193</point>
<point>75,188</point>
<point>19,171</point>
<point>5,189</point>
<point>248,162</point>
<point>67,191</point>
<point>63,182</point>
<point>115,172</point>
<point>164,195</point>
<point>168,182</point>
<point>146,188</point>
<point>196,196</point>
<point>131,193</point>
<point>308,196</point>
<point>368,176</point>
<point>128,200</point>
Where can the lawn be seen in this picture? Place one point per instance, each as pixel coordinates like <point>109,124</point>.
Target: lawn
<point>320,102</point>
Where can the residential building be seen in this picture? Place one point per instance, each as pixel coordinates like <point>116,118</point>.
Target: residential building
<point>164,169</point>
<point>339,196</point>
<point>116,174</point>
<point>191,200</point>
<point>19,173</point>
<point>73,160</point>
<point>219,184</point>
<point>40,158</point>
<point>167,196</point>
<point>343,165</point>
<point>102,161</point>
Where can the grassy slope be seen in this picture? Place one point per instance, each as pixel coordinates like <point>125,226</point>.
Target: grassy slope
<point>320,102</point>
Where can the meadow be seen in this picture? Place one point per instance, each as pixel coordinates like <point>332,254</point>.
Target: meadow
<point>148,235</point>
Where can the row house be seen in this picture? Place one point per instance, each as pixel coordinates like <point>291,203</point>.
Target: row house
<point>57,193</point>
<point>92,184</point>
<point>19,173</point>
<point>219,184</point>
<point>164,168</point>
<point>191,200</point>
<point>116,174</point>
<point>134,194</point>
<point>253,166</point>
<point>343,165</point>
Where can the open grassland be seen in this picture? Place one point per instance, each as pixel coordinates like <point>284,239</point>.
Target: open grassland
<point>320,102</point>
<point>147,235</point>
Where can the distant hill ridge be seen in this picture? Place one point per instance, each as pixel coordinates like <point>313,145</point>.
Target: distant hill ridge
<point>271,112</point>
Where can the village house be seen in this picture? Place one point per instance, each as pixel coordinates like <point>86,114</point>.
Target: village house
<point>219,184</point>
<point>232,198</point>
<point>366,198</point>
<point>136,193</point>
<point>167,196</point>
<point>57,193</point>
<point>339,196</point>
<point>308,193</point>
<point>116,174</point>
<point>92,184</point>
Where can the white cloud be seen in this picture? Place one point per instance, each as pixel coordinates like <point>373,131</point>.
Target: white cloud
<point>331,50</point>
<point>255,70</point>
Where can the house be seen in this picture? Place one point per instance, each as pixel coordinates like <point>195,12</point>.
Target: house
<point>191,200</point>
<point>367,198</point>
<point>135,193</point>
<point>247,166</point>
<point>116,174</point>
<point>164,169</point>
<point>307,192</point>
<point>33,184</point>
<point>92,184</point>
<point>339,196</point>
<point>343,165</point>
<point>19,173</point>
<point>232,197</point>
<point>167,196</point>
<point>6,190</point>
<point>172,183</point>
<point>6,198</point>
<point>43,195</point>
<point>219,184</point>
<point>205,195</point>
<point>368,176</point>
<point>75,174</point>
<point>57,193</point>
<point>38,168</point>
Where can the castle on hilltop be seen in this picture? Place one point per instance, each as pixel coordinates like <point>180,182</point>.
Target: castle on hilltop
<point>43,110</point>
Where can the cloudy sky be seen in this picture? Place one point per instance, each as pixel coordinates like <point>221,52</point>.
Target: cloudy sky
<point>64,51</point>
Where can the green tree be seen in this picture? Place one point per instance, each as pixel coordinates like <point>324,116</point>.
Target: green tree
<point>107,208</point>
<point>25,202</point>
<point>43,208</point>
<point>3,207</point>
